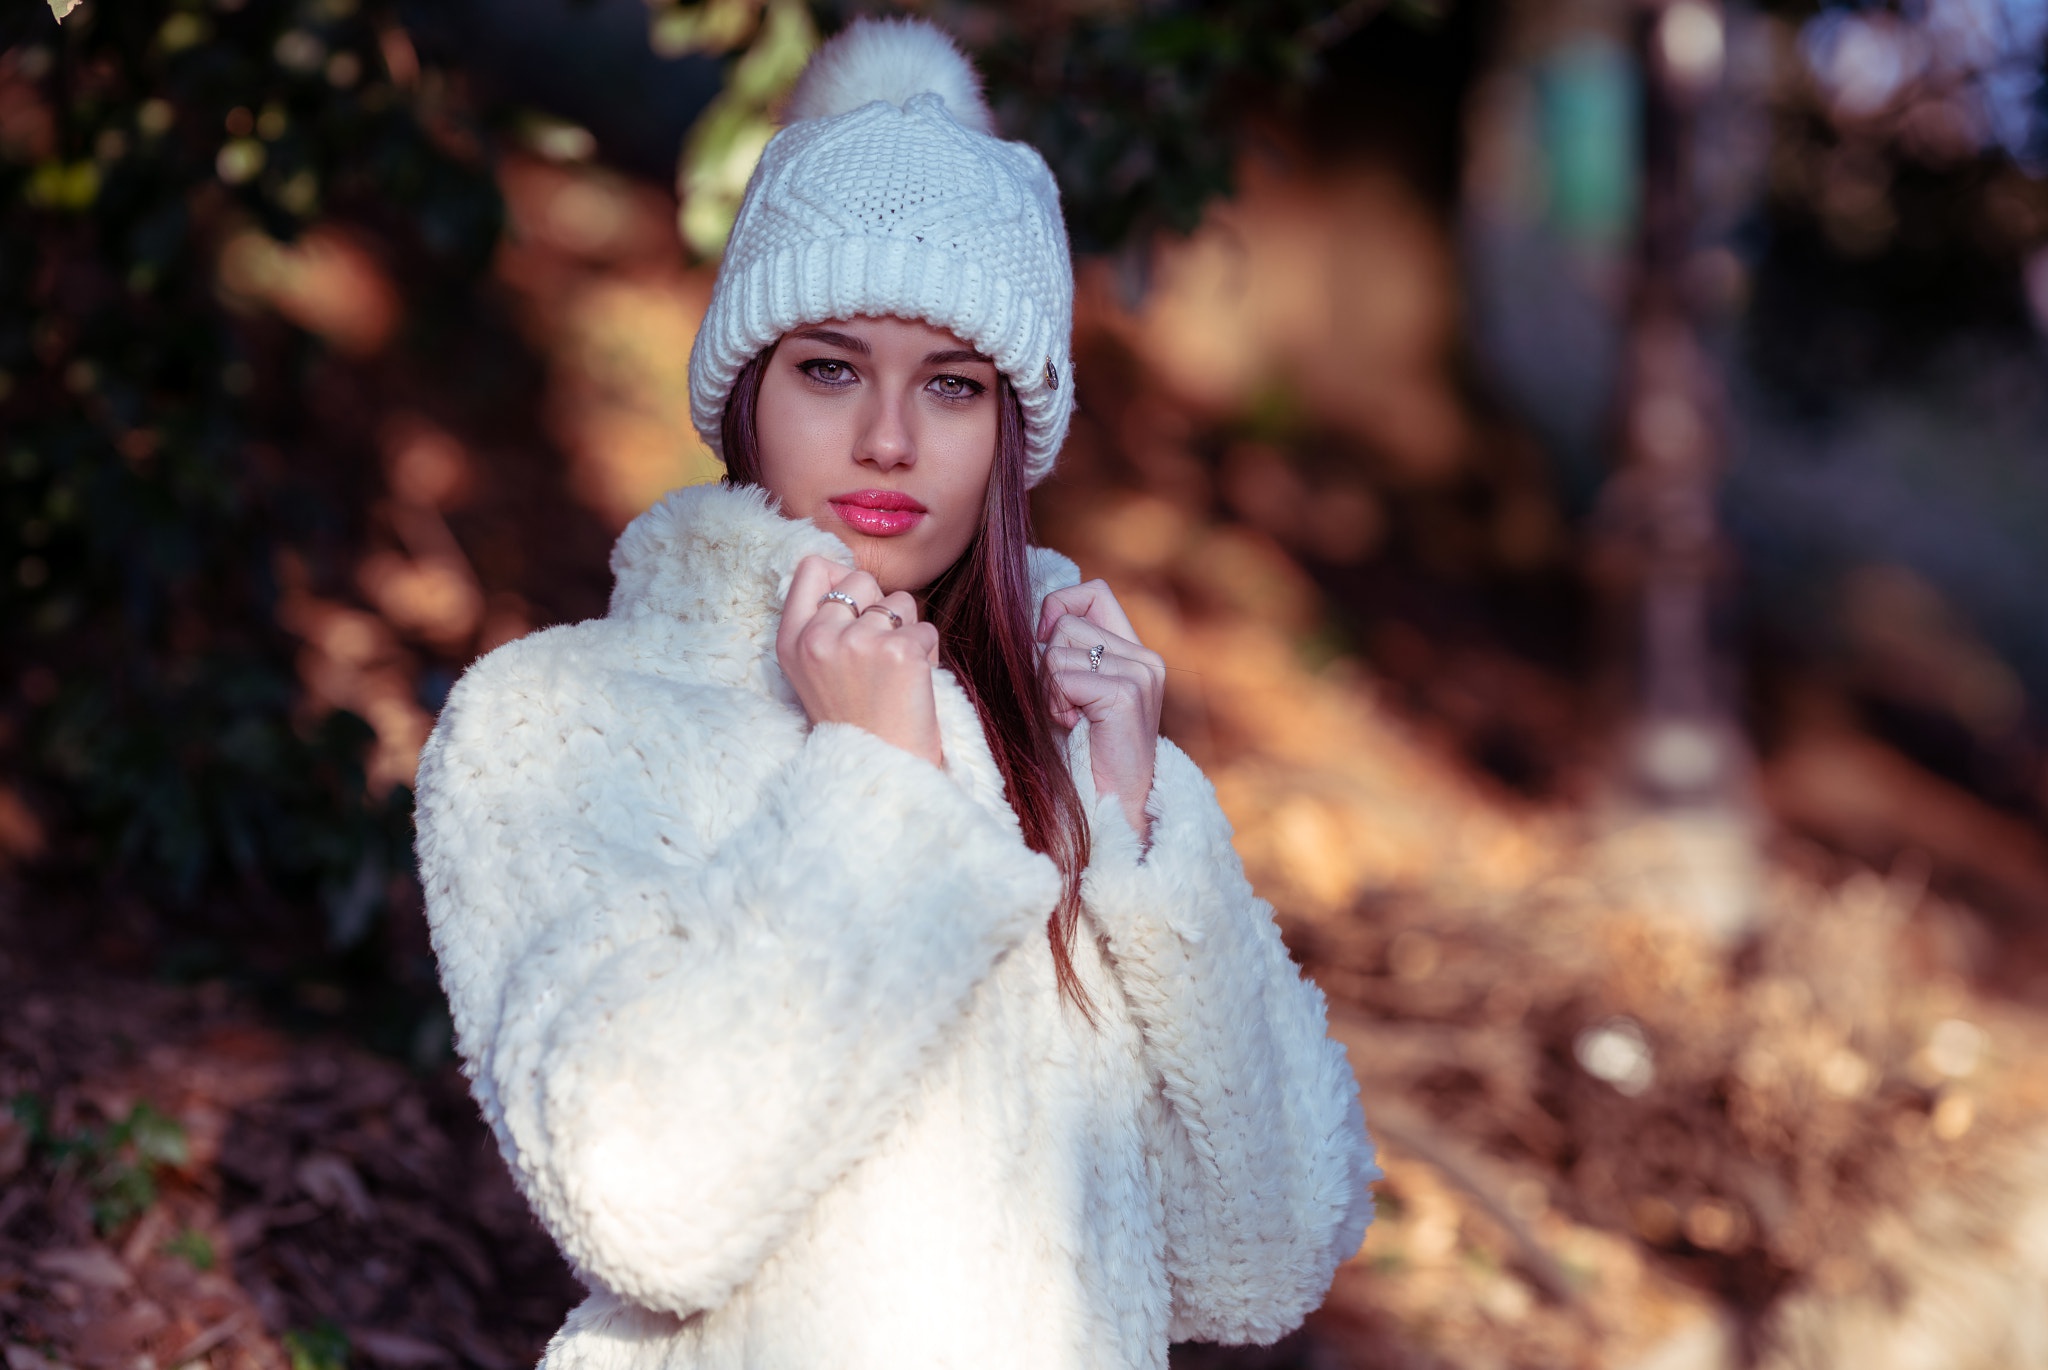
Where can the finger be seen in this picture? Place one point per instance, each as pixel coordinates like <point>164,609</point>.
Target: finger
<point>1064,711</point>
<point>849,594</point>
<point>861,586</point>
<point>1071,630</point>
<point>1094,695</point>
<point>900,604</point>
<point>1071,685</point>
<point>874,619</point>
<point>927,638</point>
<point>905,605</point>
<point>1117,652</point>
<point>818,573</point>
<point>814,576</point>
<point>1091,600</point>
<point>1060,657</point>
<point>890,613</point>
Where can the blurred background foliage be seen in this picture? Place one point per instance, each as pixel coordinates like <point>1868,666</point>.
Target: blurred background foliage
<point>152,480</point>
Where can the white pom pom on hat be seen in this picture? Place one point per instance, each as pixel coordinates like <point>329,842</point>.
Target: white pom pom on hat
<point>892,60</point>
<point>888,193</point>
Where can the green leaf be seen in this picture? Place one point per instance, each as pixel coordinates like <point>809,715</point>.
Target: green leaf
<point>714,26</point>
<point>183,30</point>
<point>194,1248</point>
<point>778,55</point>
<point>317,1348</point>
<point>60,8</point>
<point>729,136</point>
<point>121,1192</point>
<point>157,1137</point>
<point>72,187</point>
<point>32,1113</point>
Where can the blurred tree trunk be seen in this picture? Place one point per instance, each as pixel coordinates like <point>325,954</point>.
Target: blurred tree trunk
<point>1683,762</point>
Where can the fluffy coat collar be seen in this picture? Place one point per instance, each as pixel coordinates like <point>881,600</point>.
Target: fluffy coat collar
<point>721,558</point>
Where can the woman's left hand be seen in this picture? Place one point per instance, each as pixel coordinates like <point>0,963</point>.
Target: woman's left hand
<point>1119,693</point>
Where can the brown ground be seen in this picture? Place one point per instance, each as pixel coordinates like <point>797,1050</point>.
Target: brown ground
<point>311,1186</point>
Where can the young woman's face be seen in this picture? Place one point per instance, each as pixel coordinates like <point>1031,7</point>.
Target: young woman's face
<point>883,433</point>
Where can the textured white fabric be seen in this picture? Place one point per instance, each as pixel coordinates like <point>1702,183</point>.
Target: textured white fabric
<point>764,1017</point>
<point>893,60</point>
<point>895,206</point>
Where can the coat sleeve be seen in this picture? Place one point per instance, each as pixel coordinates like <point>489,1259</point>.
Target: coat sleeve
<point>680,1051</point>
<point>1264,1157</point>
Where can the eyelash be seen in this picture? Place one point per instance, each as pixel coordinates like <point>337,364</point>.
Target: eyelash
<point>812,368</point>
<point>970,388</point>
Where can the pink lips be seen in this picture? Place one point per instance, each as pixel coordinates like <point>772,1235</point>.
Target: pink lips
<point>878,513</point>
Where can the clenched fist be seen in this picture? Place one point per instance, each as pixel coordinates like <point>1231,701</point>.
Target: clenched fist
<point>1098,670</point>
<point>852,663</point>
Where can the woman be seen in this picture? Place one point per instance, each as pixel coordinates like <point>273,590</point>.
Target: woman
<point>850,974</point>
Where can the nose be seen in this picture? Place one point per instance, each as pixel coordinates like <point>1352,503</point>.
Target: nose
<point>887,441</point>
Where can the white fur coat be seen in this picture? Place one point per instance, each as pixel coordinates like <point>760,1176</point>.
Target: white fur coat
<point>763,1015</point>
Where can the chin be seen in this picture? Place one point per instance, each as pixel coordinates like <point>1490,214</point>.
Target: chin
<point>892,575</point>
<point>879,559</point>
<point>893,565</point>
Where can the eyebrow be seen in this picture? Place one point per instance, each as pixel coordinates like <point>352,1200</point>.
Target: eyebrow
<point>847,341</point>
<point>831,339</point>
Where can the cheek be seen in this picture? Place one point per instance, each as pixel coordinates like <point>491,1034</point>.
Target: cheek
<point>800,447</point>
<point>969,463</point>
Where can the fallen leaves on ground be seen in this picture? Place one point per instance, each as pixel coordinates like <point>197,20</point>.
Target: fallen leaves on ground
<point>322,1202</point>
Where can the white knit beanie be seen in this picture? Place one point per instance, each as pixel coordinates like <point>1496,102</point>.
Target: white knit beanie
<point>888,193</point>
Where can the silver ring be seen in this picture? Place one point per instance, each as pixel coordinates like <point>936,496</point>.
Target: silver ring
<point>895,619</point>
<point>1095,655</point>
<point>844,598</point>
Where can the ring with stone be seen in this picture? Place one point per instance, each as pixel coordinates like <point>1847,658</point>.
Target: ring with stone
<point>841,597</point>
<point>1095,655</point>
<point>895,619</point>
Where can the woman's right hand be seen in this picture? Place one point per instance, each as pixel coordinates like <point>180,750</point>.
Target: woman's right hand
<point>860,668</point>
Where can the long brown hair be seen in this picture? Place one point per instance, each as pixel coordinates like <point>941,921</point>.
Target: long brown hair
<point>984,609</point>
